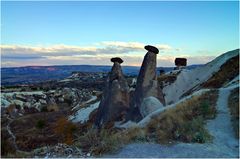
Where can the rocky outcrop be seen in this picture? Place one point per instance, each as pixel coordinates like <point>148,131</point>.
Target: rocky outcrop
<point>147,84</point>
<point>52,100</point>
<point>115,100</point>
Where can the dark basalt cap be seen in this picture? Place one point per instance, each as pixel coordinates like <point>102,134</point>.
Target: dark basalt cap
<point>117,59</point>
<point>180,61</point>
<point>151,49</point>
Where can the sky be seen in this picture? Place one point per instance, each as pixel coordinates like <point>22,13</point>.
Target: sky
<point>75,33</point>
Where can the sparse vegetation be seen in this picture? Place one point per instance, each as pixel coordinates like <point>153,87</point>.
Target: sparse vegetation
<point>65,128</point>
<point>185,122</point>
<point>40,124</point>
<point>233,103</point>
<point>227,72</point>
<point>44,109</point>
<point>98,142</point>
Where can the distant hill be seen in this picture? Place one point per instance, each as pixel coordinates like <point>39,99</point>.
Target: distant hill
<point>35,74</point>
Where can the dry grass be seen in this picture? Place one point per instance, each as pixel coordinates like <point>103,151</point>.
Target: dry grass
<point>233,103</point>
<point>185,122</point>
<point>29,137</point>
<point>65,128</point>
<point>98,142</point>
<point>227,72</point>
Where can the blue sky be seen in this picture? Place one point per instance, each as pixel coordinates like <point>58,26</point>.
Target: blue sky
<point>53,33</point>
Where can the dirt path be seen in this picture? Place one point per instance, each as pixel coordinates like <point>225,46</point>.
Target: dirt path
<point>224,144</point>
<point>221,127</point>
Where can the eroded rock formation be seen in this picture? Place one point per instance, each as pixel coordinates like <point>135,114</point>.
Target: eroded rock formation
<point>147,86</point>
<point>115,100</point>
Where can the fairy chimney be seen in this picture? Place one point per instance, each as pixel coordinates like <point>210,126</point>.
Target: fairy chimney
<point>115,100</point>
<point>147,84</point>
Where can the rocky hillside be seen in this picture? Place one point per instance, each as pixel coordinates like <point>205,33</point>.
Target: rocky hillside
<point>89,114</point>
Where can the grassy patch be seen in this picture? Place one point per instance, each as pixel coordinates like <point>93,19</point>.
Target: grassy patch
<point>37,133</point>
<point>233,103</point>
<point>185,122</point>
<point>98,142</point>
<point>40,124</point>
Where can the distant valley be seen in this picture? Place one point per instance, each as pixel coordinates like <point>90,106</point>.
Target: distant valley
<point>35,74</point>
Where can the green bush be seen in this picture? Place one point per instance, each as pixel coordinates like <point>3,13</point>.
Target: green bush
<point>40,124</point>
<point>205,109</point>
<point>194,131</point>
<point>44,109</point>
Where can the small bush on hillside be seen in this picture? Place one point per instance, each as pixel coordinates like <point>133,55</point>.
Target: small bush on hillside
<point>194,131</point>
<point>65,128</point>
<point>40,124</point>
<point>44,109</point>
<point>206,111</point>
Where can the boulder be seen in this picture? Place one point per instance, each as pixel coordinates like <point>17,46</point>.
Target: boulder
<point>115,99</point>
<point>180,62</point>
<point>147,84</point>
<point>149,105</point>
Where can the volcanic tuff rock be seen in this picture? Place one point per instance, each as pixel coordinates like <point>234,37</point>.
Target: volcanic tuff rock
<point>147,84</point>
<point>149,105</point>
<point>115,100</point>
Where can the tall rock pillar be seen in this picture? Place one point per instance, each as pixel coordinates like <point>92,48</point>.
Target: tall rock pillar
<point>115,100</point>
<point>147,85</point>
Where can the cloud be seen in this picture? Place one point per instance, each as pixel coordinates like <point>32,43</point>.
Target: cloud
<point>11,51</point>
<point>97,54</point>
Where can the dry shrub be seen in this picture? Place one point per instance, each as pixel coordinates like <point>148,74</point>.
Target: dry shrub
<point>233,103</point>
<point>65,128</point>
<point>98,141</point>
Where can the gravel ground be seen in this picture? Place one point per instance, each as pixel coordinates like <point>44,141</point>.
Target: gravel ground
<point>224,144</point>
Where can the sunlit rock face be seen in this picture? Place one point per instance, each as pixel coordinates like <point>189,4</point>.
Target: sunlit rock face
<point>115,100</point>
<point>147,84</point>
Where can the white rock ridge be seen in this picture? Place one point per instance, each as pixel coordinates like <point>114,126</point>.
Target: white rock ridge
<point>188,79</point>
